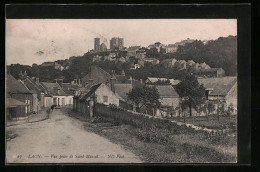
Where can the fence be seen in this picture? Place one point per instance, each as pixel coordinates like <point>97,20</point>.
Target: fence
<point>140,120</point>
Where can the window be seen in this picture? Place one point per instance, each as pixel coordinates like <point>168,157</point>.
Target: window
<point>105,99</point>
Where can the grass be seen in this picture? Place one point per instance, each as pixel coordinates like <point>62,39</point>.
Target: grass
<point>225,122</point>
<point>151,147</point>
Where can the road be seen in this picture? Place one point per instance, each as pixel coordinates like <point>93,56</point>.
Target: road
<point>62,139</point>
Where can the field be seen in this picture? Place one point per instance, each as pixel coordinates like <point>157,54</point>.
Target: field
<point>160,145</point>
<point>225,122</point>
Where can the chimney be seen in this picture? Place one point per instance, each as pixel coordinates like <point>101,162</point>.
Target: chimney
<point>141,81</point>
<point>112,80</point>
<point>25,73</point>
<point>37,80</point>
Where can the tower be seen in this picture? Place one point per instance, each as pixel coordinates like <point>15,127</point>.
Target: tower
<point>96,44</point>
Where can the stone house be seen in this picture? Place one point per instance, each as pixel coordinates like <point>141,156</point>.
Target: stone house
<point>223,89</point>
<point>60,97</point>
<point>16,90</point>
<point>168,96</point>
<point>100,93</point>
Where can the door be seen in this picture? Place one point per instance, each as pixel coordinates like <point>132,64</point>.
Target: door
<point>55,101</point>
<point>63,101</point>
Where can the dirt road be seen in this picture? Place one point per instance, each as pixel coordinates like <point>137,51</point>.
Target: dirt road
<point>62,139</point>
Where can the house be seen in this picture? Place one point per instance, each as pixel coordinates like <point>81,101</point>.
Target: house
<point>168,63</point>
<point>223,89</point>
<point>180,64</point>
<point>151,80</point>
<point>135,66</point>
<point>97,58</point>
<point>60,97</point>
<point>14,108</point>
<point>70,88</point>
<point>156,45</point>
<point>131,51</point>
<point>95,76</point>
<point>168,96</point>
<point>171,48</point>
<point>154,61</point>
<point>98,75</point>
<point>53,65</point>
<point>140,54</point>
<point>212,72</point>
<point>43,95</point>
<point>16,90</point>
<point>100,93</point>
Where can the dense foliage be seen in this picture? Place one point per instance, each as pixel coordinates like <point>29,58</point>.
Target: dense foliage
<point>191,92</point>
<point>147,97</point>
<point>220,53</point>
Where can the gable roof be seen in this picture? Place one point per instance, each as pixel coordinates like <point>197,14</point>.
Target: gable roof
<point>51,88</point>
<point>14,86</point>
<point>91,91</point>
<point>167,91</point>
<point>10,102</point>
<point>220,86</point>
<point>67,87</point>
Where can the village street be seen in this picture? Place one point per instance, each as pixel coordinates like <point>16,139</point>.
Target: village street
<point>61,135</point>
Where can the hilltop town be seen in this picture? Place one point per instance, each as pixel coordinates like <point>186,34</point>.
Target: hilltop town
<point>176,85</point>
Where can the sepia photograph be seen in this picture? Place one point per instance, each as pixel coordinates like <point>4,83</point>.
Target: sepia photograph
<point>121,91</point>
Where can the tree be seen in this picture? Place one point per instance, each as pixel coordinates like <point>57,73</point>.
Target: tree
<point>145,96</point>
<point>192,93</point>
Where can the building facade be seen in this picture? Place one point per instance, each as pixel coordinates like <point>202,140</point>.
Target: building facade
<point>96,44</point>
<point>116,43</point>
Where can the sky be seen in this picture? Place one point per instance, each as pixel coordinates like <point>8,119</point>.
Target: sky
<point>31,41</point>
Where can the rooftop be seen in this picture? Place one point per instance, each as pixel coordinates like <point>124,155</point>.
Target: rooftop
<point>221,86</point>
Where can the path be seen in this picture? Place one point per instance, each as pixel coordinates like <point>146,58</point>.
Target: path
<point>62,139</point>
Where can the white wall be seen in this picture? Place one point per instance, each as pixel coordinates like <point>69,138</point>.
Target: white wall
<point>103,90</point>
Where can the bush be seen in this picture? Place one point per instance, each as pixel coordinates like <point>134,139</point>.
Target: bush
<point>153,135</point>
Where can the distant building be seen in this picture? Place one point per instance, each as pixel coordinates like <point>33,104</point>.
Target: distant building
<point>116,43</point>
<point>183,42</point>
<point>131,51</point>
<point>51,65</point>
<point>96,44</point>
<point>180,64</point>
<point>103,47</point>
<point>151,80</point>
<point>154,61</point>
<point>157,45</point>
<point>171,48</point>
<point>212,72</point>
<point>168,63</point>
